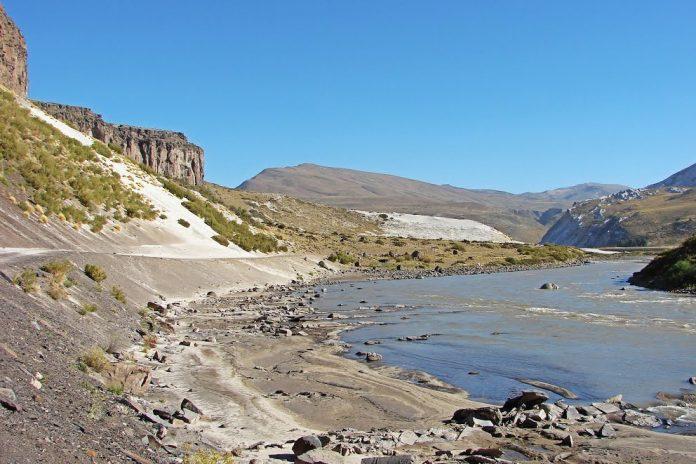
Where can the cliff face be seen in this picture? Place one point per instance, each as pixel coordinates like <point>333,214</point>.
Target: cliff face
<point>13,56</point>
<point>167,152</point>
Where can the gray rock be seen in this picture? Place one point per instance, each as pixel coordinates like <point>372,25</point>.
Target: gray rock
<point>305,444</point>
<point>549,286</point>
<point>568,441</point>
<point>373,357</point>
<point>692,380</point>
<point>606,431</point>
<point>188,404</point>
<point>606,408</point>
<point>408,437</point>
<point>8,400</point>
<point>571,413</point>
<point>525,400</point>
<point>320,456</point>
<point>640,419</point>
<point>470,416</point>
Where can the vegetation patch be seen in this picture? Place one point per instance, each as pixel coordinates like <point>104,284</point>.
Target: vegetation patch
<point>87,308</point>
<point>95,359</point>
<point>27,280</point>
<point>209,457</point>
<point>94,272</point>
<point>118,294</point>
<point>58,174</point>
<point>184,223</point>
<point>672,270</point>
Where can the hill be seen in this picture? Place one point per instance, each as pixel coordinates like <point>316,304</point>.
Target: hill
<point>654,217</point>
<point>684,178</point>
<point>673,270</point>
<point>520,216</point>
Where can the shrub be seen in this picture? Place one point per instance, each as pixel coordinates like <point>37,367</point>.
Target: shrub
<point>115,148</point>
<point>102,149</point>
<point>98,223</point>
<point>95,272</point>
<point>221,240</point>
<point>209,457</point>
<point>115,387</point>
<point>56,290</point>
<point>87,308</point>
<point>26,280</point>
<point>341,257</point>
<point>184,223</point>
<point>59,269</point>
<point>118,294</point>
<point>95,359</point>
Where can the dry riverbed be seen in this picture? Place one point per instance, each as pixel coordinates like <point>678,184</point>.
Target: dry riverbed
<point>252,372</point>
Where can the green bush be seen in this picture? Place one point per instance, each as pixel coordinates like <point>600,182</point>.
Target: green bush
<point>118,294</point>
<point>341,257</point>
<point>26,280</point>
<point>87,308</point>
<point>59,269</point>
<point>101,149</point>
<point>184,223</point>
<point>116,148</point>
<point>58,173</point>
<point>95,272</point>
<point>221,240</point>
<point>98,223</point>
<point>95,358</point>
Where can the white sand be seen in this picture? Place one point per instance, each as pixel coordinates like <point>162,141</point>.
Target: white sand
<point>435,227</point>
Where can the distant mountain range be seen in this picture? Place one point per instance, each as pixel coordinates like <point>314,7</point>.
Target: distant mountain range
<point>522,216</point>
<point>663,213</point>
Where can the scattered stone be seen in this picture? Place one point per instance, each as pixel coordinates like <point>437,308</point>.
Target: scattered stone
<point>571,413</point>
<point>8,400</point>
<point>211,294</point>
<point>320,456</point>
<point>373,357</point>
<point>607,431</point>
<point>305,444</point>
<point>568,441</point>
<point>471,416</point>
<point>373,342</point>
<point>606,408</point>
<point>525,400</point>
<point>408,437</point>
<point>640,419</point>
<point>188,404</point>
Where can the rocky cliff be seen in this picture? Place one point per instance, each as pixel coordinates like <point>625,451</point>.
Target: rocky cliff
<point>630,218</point>
<point>167,152</point>
<point>13,56</point>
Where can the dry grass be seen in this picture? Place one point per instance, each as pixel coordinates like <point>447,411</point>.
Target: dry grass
<point>209,457</point>
<point>95,359</point>
<point>27,281</point>
<point>95,272</point>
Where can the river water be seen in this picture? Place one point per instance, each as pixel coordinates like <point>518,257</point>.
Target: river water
<point>596,336</point>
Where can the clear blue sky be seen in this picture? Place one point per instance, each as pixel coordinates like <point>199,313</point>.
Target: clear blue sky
<point>515,95</point>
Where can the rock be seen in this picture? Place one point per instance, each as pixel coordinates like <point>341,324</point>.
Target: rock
<point>8,399</point>
<point>373,357</point>
<point>472,416</point>
<point>476,459</point>
<point>606,408</point>
<point>167,152</point>
<point>320,456</point>
<point>186,416</point>
<point>549,286</point>
<point>188,404</point>
<point>640,419</point>
<point>606,431</point>
<point>568,441</point>
<point>571,413</point>
<point>373,342</point>
<point>164,415</point>
<point>553,412</point>
<point>615,399</point>
<point>397,459</point>
<point>692,380</point>
<point>490,452</point>
<point>161,431</point>
<point>408,437</point>
<point>13,56</point>
<point>157,307</point>
<point>284,331</point>
<point>322,265</point>
<point>305,444</point>
<point>211,294</point>
<point>525,400</point>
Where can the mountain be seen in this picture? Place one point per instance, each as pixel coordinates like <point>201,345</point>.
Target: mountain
<point>629,218</point>
<point>523,217</point>
<point>684,178</point>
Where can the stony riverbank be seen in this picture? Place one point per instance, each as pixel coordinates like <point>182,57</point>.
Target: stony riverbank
<point>263,368</point>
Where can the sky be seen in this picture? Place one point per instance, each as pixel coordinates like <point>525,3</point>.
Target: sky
<point>521,95</point>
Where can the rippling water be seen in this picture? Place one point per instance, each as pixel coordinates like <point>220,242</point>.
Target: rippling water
<point>590,336</point>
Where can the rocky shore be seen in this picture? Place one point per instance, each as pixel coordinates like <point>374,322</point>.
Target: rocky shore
<point>260,374</point>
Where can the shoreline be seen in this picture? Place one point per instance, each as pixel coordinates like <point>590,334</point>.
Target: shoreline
<point>281,372</point>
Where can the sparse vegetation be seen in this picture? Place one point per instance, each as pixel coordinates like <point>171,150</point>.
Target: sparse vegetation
<point>58,174</point>
<point>221,240</point>
<point>184,223</point>
<point>115,387</point>
<point>95,272</point>
<point>209,457</point>
<point>95,359</point>
<point>341,257</point>
<point>87,308</point>
<point>26,280</point>
<point>118,294</point>
<point>101,149</point>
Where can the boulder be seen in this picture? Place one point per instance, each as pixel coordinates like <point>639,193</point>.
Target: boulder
<point>606,431</point>
<point>305,444</point>
<point>470,416</point>
<point>692,380</point>
<point>8,400</point>
<point>408,437</point>
<point>320,456</point>
<point>525,400</point>
<point>373,357</point>
<point>549,286</point>
<point>640,419</point>
<point>188,404</point>
<point>571,413</point>
<point>568,441</point>
<point>606,408</point>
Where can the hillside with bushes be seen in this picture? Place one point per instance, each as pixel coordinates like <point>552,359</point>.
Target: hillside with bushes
<point>674,270</point>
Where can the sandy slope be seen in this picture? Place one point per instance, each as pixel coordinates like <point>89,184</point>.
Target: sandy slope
<point>434,227</point>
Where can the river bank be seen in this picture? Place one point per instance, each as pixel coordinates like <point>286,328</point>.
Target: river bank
<point>264,368</point>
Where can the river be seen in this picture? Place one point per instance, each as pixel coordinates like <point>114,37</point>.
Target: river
<point>596,336</point>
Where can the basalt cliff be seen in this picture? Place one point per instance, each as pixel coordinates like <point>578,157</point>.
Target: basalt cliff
<point>167,152</point>
<point>13,56</point>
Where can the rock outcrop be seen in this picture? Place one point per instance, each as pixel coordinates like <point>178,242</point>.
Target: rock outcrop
<point>13,56</point>
<point>167,152</point>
